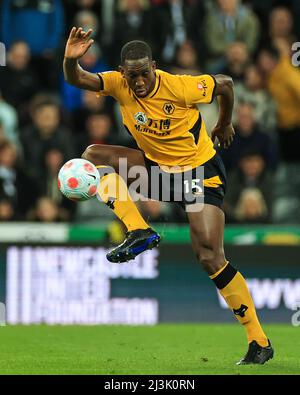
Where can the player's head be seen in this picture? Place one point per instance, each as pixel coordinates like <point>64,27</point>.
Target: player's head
<point>138,68</point>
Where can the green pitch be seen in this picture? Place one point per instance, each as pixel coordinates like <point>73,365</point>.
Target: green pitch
<point>163,349</point>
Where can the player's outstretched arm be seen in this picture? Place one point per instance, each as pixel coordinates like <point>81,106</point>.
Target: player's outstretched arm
<point>77,45</point>
<point>224,130</point>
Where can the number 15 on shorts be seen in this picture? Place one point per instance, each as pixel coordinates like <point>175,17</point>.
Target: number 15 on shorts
<point>194,195</point>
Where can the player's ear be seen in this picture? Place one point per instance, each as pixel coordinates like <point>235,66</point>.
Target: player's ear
<point>153,65</point>
<point>121,70</point>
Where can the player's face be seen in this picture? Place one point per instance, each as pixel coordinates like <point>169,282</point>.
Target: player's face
<point>140,76</point>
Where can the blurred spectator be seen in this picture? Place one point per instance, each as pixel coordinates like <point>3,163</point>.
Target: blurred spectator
<point>251,91</point>
<point>40,24</point>
<point>46,210</point>
<point>105,12</point>
<point>250,187</point>
<point>91,61</point>
<point>185,61</point>
<point>134,20</point>
<point>251,207</point>
<point>2,134</point>
<point>228,21</point>
<point>26,116</point>
<point>286,206</point>
<point>182,20</point>
<point>8,160</point>
<point>54,159</point>
<point>91,104</point>
<point>283,82</point>
<point>98,131</point>
<point>295,7</point>
<point>18,82</point>
<point>74,7</point>
<point>177,28</point>
<point>88,20</point>
<point>9,122</point>
<point>281,24</point>
<point>195,12</point>
<point>44,133</point>
<point>248,136</point>
<point>280,28</point>
<point>7,212</point>
<point>261,9</point>
<point>15,185</point>
<point>237,59</point>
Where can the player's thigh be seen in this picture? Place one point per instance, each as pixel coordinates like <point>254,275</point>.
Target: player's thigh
<point>114,156</point>
<point>128,162</point>
<point>208,224</point>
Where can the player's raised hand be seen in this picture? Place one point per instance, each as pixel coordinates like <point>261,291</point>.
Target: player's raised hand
<point>78,43</point>
<point>225,135</point>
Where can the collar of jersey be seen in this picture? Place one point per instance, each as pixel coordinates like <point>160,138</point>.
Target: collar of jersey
<point>154,90</point>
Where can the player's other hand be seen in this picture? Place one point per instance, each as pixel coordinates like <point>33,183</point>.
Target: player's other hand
<point>78,43</point>
<point>225,135</point>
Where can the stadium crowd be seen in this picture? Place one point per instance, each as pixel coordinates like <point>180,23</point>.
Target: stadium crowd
<point>44,121</point>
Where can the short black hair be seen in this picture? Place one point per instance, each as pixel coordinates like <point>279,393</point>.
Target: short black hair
<point>45,103</point>
<point>134,50</point>
<point>249,153</point>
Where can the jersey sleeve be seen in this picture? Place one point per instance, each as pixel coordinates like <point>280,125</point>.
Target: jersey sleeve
<point>198,89</point>
<point>111,83</point>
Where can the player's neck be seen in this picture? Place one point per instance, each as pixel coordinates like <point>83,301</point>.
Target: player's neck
<point>153,84</point>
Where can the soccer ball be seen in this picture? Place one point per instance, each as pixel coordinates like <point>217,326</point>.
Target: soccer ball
<point>78,180</point>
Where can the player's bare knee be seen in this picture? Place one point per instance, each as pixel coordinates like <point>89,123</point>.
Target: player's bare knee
<point>94,154</point>
<point>89,154</point>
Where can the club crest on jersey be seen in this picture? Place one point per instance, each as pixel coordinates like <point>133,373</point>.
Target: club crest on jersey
<point>169,108</point>
<point>141,118</point>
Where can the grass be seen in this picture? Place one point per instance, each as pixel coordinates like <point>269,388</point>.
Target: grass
<point>163,349</point>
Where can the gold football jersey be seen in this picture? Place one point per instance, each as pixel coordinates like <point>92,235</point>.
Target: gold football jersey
<point>166,124</point>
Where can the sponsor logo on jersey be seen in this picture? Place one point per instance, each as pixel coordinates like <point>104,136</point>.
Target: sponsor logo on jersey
<point>141,118</point>
<point>202,86</point>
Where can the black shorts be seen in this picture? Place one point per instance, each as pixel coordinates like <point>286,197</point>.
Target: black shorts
<point>214,174</point>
